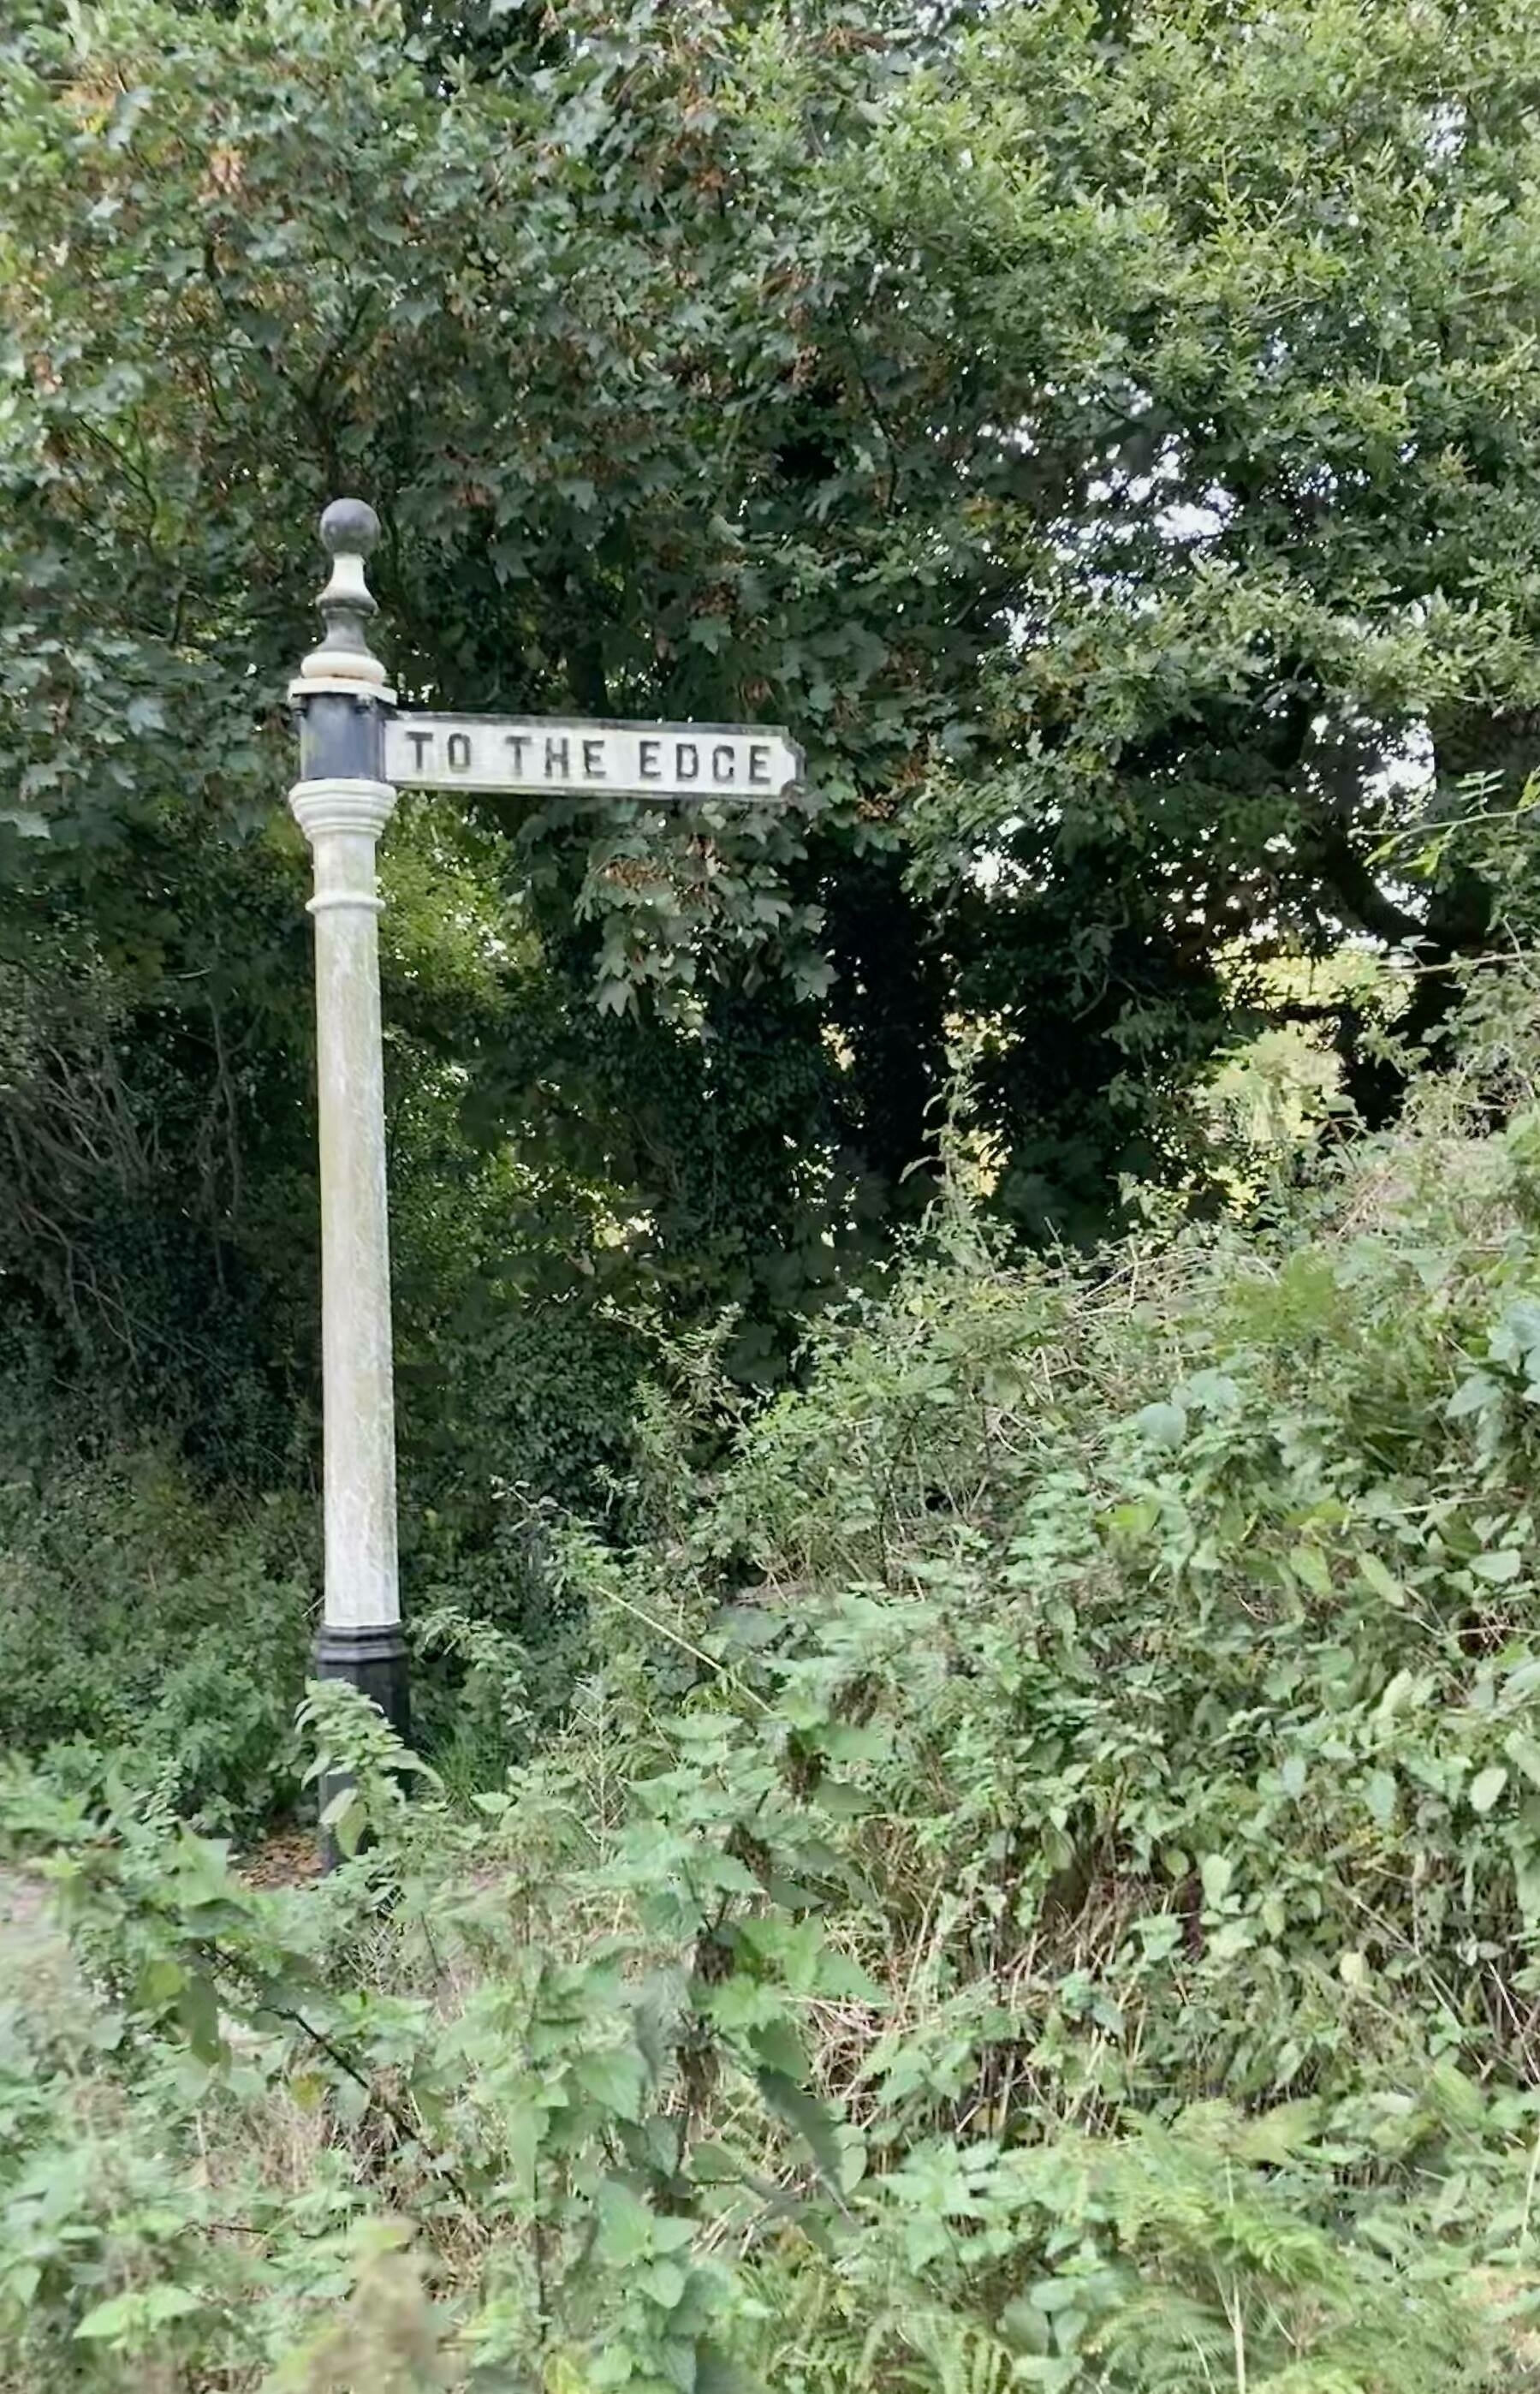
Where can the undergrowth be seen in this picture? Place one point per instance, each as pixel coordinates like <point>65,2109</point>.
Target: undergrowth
<point>149,1629</point>
<point>1036,1883</point>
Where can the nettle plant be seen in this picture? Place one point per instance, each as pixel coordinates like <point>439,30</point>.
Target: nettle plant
<point>504,2087</point>
<point>1035,1884</point>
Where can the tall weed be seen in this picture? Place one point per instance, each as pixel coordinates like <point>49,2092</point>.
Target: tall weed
<point>1037,1882</point>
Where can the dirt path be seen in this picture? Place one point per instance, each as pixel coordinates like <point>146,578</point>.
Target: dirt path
<point>25,1930</point>
<point>37,1971</point>
<point>32,1947</point>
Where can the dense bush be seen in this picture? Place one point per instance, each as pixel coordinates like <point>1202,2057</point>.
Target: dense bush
<point>1018,1863</point>
<point>147,1626</point>
<point>1107,438</point>
<point>1037,1884</point>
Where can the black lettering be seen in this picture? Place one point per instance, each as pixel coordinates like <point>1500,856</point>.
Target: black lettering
<point>518,741</point>
<point>683,772</point>
<point>648,763</point>
<point>724,763</point>
<point>556,757</point>
<point>421,742</point>
<point>457,749</point>
<point>593,759</point>
<point>758,762</point>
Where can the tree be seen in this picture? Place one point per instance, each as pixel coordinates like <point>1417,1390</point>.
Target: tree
<point>1267,277</point>
<point>1103,435</point>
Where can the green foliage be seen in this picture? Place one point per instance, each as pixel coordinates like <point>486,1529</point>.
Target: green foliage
<point>149,1629</point>
<point>1035,1885</point>
<point>1023,1867</point>
<point>484,2085</point>
<point>1105,435</point>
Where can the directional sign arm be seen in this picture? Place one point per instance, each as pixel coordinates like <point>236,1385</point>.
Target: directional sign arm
<point>590,758</point>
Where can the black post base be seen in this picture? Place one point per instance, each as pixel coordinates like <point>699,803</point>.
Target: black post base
<point>373,1660</point>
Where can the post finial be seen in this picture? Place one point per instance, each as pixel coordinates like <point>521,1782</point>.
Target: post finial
<point>348,524</point>
<point>348,529</point>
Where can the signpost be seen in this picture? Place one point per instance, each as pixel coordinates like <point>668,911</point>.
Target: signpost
<point>355,752</point>
<point>556,754</point>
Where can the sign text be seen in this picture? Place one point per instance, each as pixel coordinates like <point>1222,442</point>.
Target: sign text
<point>665,760</point>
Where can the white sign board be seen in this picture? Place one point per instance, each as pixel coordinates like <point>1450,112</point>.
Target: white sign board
<point>665,760</point>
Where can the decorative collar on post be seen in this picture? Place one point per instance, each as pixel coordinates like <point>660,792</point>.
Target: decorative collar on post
<point>341,696</point>
<point>345,663</point>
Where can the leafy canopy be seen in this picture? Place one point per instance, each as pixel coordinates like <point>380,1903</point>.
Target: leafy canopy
<point>1103,435</point>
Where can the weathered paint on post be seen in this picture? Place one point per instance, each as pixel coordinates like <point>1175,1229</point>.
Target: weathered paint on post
<point>342,803</point>
<point>342,820</point>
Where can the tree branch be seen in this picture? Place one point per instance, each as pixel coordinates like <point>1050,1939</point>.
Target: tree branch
<point>1350,880</point>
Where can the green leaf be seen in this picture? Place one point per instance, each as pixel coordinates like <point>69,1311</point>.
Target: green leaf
<point>1383,1582</point>
<point>1051,2294</point>
<point>1310,1566</point>
<point>715,2165</point>
<point>1474,1395</point>
<point>404,1761</point>
<point>777,2047</point>
<point>1487,1786</point>
<point>1275,2136</point>
<point>198,2010</point>
<point>1023,2325</point>
<point>615,2079</point>
<point>1521,1748</point>
<point>1216,1872</point>
<point>811,2120</point>
<point>129,2318</point>
<point>161,1979</point>
<point>1161,1425</point>
<point>346,1818</point>
<point>626,2226</point>
<point>665,2284</point>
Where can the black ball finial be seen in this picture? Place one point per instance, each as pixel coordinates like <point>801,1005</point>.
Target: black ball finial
<point>348,528</point>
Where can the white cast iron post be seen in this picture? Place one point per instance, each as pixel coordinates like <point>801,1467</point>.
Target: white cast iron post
<point>342,803</point>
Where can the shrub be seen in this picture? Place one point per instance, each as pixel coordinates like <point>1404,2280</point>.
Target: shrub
<point>149,1623</point>
<point>1037,1883</point>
